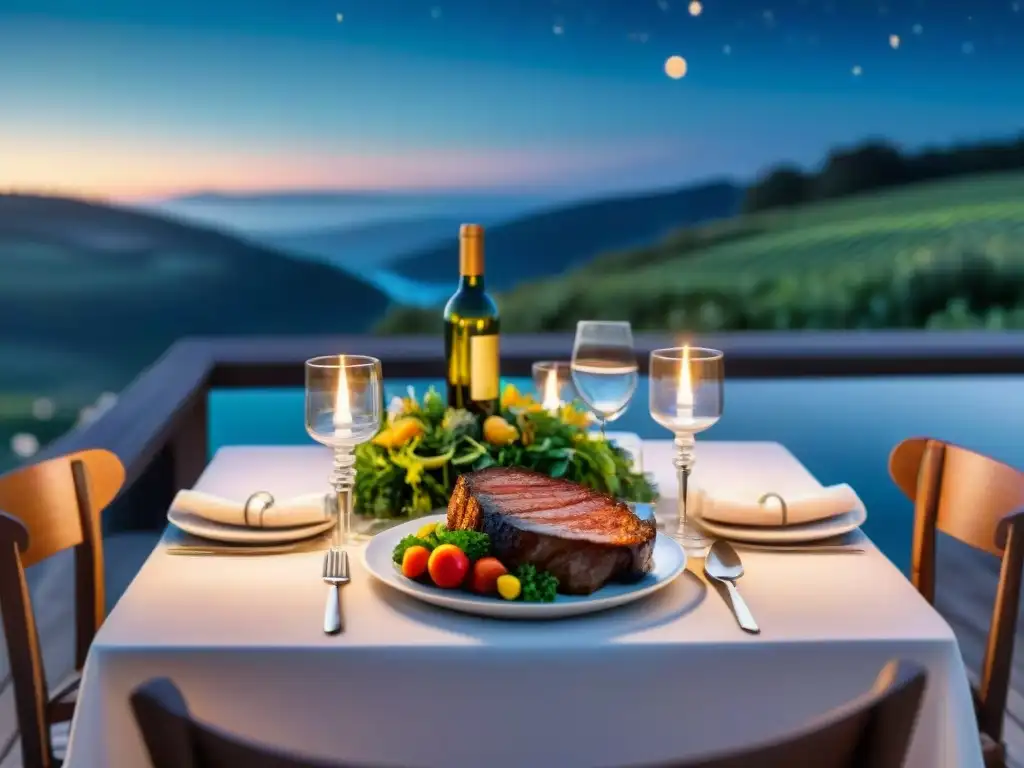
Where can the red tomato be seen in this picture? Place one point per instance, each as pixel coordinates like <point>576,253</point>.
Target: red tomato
<point>486,571</point>
<point>414,562</point>
<point>448,566</point>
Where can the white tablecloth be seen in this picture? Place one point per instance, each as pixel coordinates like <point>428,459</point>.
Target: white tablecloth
<point>410,685</point>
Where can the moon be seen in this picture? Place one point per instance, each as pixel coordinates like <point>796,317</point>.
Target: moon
<point>675,67</point>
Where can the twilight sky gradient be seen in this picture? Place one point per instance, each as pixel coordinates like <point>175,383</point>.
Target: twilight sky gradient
<point>137,98</point>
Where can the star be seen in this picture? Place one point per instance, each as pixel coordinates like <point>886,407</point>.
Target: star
<point>894,41</point>
<point>696,8</point>
<point>857,70</point>
<point>339,17</point>
<point>727,49</point>
<point>917,29</point>
<point>558,29</point>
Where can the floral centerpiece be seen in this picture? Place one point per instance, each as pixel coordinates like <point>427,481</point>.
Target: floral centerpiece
<point>410,467</point>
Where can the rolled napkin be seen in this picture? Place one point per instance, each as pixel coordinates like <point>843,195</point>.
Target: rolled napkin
<point>800,509</point>
<point>289,513</point>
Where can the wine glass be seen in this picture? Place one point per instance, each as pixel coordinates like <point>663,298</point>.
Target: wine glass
<point>604,369</point>
<point>687,392</point>
<point>343,410</point>
<point>552,380</point>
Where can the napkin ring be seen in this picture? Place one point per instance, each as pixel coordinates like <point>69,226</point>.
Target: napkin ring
<point>267,500</point>
<point>782,504</point>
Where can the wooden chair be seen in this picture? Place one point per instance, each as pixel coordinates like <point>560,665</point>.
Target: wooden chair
<point>871,732</point>
<point>49,507</point>
<point>175,740</point>
<point>980,502</point>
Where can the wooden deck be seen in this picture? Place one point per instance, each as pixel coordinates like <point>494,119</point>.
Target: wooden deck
<point>966,587</point>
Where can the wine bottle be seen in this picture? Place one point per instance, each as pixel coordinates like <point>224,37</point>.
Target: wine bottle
<point>471,327</point>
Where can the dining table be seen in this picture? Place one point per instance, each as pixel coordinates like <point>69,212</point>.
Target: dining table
<point>408,684</point>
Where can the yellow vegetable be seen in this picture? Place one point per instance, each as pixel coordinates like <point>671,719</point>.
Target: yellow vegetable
<point>497,431</point>
<point>509,586</point>
<point>425,530</point>
<point>399,433</point>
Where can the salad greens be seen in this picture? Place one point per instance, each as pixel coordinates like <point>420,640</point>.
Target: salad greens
<point>410,467</point>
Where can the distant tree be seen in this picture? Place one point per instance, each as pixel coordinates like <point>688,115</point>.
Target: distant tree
<point>783,186</point>
<point>877,164</point>
<point>870,166</point>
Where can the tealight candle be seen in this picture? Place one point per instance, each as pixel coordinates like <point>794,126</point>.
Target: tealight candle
<point>684,392</point>
<point>342,416</point>
<point>552,402</point>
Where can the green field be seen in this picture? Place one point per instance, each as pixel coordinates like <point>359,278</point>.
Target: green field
<point>942,254</point>
<point>925,222</point>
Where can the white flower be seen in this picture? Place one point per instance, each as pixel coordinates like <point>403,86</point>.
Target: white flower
<point>24,445</point>
<point>395,408</point>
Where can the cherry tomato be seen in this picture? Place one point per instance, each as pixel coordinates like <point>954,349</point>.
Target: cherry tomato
<point>448,566</point>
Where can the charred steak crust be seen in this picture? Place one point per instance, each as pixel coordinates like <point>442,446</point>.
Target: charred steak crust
<point>585,538</point>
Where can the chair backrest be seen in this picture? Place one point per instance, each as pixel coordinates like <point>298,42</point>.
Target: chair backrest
<point>175,740</point>
<point>979,501</point>
<point>873,731</point>
<point>46,508</point>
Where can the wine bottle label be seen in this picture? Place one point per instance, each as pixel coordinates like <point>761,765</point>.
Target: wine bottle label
<point>483,361</point>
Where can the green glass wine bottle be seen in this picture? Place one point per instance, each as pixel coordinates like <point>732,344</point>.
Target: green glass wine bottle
<point>471,332</point>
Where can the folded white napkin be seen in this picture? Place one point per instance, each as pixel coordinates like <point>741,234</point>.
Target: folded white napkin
<point>287,513</point>
<point>800,509</point>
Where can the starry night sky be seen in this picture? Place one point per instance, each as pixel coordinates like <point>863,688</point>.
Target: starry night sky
<point>137,98</point>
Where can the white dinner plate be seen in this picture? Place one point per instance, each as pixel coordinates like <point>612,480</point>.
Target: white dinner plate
<point>669,562</point>
<point>790,534</point>
<point>237,534</point>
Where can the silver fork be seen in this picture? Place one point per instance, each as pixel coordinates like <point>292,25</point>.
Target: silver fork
<point>335,574</point>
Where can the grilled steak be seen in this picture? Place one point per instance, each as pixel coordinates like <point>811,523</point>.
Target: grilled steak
<point>583,537</point>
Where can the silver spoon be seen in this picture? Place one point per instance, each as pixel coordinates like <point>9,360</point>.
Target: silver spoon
<point>723,564</point>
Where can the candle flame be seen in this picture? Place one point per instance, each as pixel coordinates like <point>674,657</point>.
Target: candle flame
<point>551,400</point>
<point>342,402</point>
<point>684,392</point>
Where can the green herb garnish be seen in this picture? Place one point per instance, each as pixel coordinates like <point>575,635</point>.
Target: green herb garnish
<point>473,543</point>
<point>537,586</point>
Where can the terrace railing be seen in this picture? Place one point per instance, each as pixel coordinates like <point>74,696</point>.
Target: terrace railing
<point>159,425</point>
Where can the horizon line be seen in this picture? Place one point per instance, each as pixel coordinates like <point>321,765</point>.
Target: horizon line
<point>497,191</point>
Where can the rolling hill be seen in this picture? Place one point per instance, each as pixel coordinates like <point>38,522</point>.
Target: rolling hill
<point>90,293</point>
<point>550,242</point>
<point>940,254</point>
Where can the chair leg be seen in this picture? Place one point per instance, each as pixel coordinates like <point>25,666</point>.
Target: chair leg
<point>994,753</point>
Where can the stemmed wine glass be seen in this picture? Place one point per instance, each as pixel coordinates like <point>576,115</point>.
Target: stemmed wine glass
<point>604,369</point>
<point>343,410</point>
<point>687,386</point>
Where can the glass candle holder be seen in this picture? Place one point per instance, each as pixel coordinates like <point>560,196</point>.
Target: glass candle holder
<point>687,388</point>
<point>552,380</point>
<point>343,410</point>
